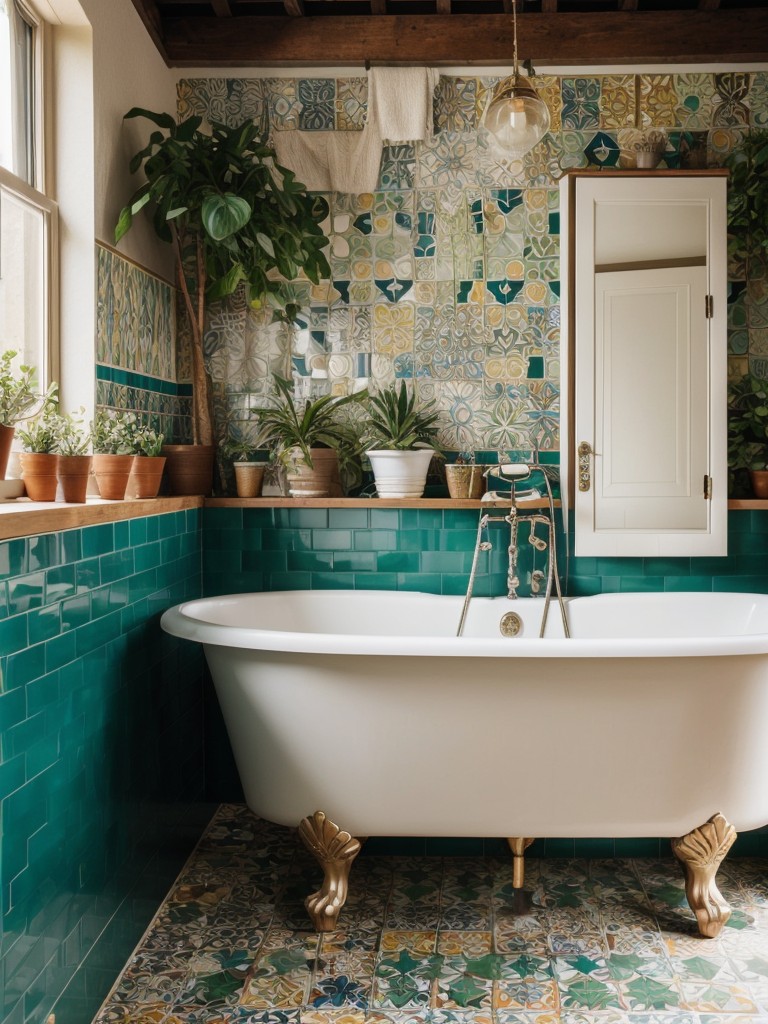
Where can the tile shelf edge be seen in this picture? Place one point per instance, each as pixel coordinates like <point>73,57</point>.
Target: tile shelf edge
<point>24,518</point>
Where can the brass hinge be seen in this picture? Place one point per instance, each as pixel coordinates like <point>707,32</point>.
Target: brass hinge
<point>709,305</point>
<point>707,486</point>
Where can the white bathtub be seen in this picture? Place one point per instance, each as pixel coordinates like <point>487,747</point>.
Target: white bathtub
<point>653,717</point>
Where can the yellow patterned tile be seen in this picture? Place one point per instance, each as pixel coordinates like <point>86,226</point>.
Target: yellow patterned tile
<point>658,101</point>
<point>474,944</point>
<point>617,101</point>
<point>526,995</point>
<point>416,942</point>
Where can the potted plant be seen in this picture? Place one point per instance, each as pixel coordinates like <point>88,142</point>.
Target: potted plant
<point>39,458</point>
<point>235,219</point>
<point>400,441</point>
<point>250,472</point>
<point>74,465</point>
<point>148,465</point>
<point>18,396</point>
<point>309,441</point>
<point>748,433</point>
<point>748,240</point>
<point>112,437</point>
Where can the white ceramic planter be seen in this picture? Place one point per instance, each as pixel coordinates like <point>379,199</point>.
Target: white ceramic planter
<point>400,474</point>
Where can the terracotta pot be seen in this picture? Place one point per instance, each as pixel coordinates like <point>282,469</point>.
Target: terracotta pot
<point>6,439</point>
<point>249,478</point>
<point>112,472</point>
<point>400,474</point>
<point>73,472</point>
<point>465,481</point>
<point>146,476</point>
<point>321,481</point>
<point>759,478</point>
<point>38,472</point>
<point>190,468</point>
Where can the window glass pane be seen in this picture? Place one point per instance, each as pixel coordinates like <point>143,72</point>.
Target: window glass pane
<point>23,301</point>
<point>16,92</point>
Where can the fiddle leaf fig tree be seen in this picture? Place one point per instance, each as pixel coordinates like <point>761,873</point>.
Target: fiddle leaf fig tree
<point>235,218</point>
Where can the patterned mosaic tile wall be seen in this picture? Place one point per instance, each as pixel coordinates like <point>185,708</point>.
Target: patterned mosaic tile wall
<point>100,753</point>
<point>449,274</point>
<point>136,365</point>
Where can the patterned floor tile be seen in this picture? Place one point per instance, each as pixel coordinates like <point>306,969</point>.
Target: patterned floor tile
<point>440,941</point>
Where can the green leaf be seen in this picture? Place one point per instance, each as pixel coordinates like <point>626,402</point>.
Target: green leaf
<point>265,243</point>
<point>223,214</point>
<point>123,223</point>
<point>161,120</point>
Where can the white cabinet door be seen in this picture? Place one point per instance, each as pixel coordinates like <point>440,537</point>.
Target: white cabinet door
<point>645,348</point>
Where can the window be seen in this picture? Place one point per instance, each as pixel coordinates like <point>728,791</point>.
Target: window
<point>28,217</point>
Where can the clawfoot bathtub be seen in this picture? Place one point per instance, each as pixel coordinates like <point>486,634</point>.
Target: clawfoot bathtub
<point>650,721</point>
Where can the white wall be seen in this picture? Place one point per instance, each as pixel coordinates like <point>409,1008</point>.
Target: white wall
<point>127,72</point>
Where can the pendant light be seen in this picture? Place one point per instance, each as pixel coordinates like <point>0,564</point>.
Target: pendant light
<point>517,117</point>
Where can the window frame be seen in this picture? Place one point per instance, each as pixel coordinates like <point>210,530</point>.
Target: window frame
<point>36,196</point>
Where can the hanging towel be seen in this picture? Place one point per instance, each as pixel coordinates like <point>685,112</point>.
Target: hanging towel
<point>400,102</point>
<point>332,161</point>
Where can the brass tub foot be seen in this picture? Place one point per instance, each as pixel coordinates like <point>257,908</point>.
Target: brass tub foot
<point>334,851</point>
<point>518,847</point>
<point>701,853</point>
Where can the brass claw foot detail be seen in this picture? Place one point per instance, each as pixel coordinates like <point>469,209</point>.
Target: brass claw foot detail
<point>518,846</point>
<point>701,852</point>
<point>335,851</point>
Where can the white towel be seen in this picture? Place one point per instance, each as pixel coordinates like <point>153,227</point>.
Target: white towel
<point>399,110</point>
<point>332,161</point>
<point>400,102</point>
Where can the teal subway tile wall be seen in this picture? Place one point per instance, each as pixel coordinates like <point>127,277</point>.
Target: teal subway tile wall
<point>101,759</point>
<point>255,549</point>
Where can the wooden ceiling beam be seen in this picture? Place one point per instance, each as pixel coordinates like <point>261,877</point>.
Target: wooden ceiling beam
<point>147,10</point>
<point>646,37</point>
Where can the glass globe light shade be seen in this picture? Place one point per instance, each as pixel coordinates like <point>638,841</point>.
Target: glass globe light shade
<point>516,116</point>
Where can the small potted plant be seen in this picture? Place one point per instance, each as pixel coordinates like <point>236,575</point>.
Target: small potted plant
<point>309,440</point>
<point>147,471</point>
<point>748,433</point>
<point>250,472</point>
<point>39,458</point>
<point>112,437</point>
<point>18,397</point>
<point>400,441</point>
<point>74,465</point>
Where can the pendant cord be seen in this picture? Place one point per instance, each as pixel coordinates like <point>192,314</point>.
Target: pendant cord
<point>514,38</point>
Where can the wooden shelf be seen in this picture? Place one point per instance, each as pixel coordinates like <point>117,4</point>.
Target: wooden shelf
<point>25,518</point>
<point>747,503</point>
<point>435,503</point>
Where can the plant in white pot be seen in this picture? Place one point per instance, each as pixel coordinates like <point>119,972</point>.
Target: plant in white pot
<point>309,441</point>
<point>400,441</point>
<point>235,218</point>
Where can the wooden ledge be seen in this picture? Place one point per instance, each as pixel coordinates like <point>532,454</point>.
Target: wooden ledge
<point>25,518</point>
<point>436,503</point>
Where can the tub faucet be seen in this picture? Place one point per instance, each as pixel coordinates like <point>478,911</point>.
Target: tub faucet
<point>516,473</point>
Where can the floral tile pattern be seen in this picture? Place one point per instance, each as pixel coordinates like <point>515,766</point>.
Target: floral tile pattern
<point>451,211</point>
<point>596,942</point>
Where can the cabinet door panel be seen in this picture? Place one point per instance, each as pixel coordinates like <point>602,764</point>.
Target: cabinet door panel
<point>651,399</point>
